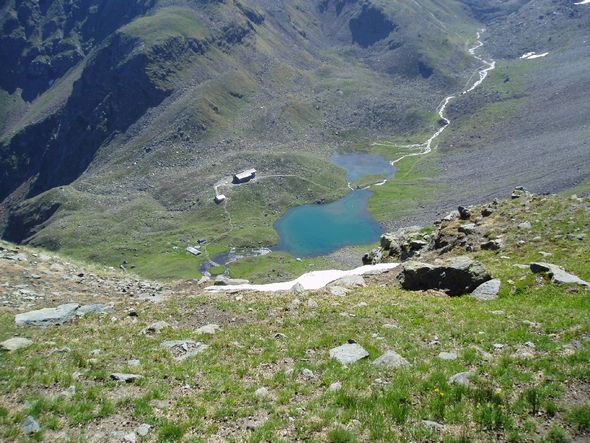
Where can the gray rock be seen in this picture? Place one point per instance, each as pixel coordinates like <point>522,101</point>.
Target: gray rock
<point>123,437</point>
<point>448,356</point>
<point>311,303</point>
<point>18,257</point>
<point>56,267</point>
<point>143,429</point>
<point>464,213</point>
<point>417,245</point>
<point>48,316</point>
<point>183,349</point>
<point>520,192</point>
<point>335,387</point>
<point>373,257</point>
<point>298,289</point>
<point>462,378</point>
<point>391,359</point>
<point>224,281</point>
<point>30,426</point>
<point>576,237</point>
<point>432,425</point>
<point>155,328</point>
<point>15,343</point>
<point>525,225</point>
<point>253,424</point>
<point>338,291</point>
<point>307,373</point>
<point>261,392</point>
<point>492,245</point>
<point>210,329</point>
<point>348,353</point>
<point>133,362</point>
<point>457,276</point>
<point>126,378</point>
<point>558,274</point>
<point>350,281</point>
<point>488,290</point>
<point>94,309</point>
<point>468,229</point>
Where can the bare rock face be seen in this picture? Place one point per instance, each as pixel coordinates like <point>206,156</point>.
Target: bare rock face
<point>457,276</point>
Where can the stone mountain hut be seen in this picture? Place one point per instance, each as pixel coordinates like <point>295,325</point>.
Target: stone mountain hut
<point>244,177</point>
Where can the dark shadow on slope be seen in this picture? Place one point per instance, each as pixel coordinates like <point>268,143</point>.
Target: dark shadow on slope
<point>370,27</point>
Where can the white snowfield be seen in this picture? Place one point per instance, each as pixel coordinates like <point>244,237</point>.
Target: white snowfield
<point>583,2</point>
<point>310,281</point>
<point>534,55</point>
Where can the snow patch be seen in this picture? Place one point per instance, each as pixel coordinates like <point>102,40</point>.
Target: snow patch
<point>534,55</point>
<point>310,281</point>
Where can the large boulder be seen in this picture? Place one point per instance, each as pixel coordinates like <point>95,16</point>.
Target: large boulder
<point>456,276</point>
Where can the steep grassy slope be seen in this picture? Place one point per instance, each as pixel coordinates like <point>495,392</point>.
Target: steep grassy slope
<point>528,352</point>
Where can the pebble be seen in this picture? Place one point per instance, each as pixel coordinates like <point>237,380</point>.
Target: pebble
<point>30,426</point>
<point>335,387</point>
<point>261,392</point>
<point>307,373</point>
<point>462,378</point>
<point>143,429</point>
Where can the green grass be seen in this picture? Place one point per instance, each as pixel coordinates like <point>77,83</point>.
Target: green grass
<point>511,397</point>
<point>167,23</point>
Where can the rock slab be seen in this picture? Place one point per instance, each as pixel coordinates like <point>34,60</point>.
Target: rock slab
<point>126,378</point>
<point>488,290</point>
<point>392,360</point>
<point>349,353</point>
<point>15,343</point>
<point>48,316</point>
<point>183,349</point>
<point>558,274</point>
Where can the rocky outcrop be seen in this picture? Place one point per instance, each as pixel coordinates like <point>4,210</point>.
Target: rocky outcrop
<point>456,276</point>
<point>400,245</point>
<point>469,229</point>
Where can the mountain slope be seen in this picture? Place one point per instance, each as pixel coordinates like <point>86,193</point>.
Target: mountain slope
<point>163,107</point>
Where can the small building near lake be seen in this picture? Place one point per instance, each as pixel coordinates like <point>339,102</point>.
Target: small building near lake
<point>245,176</point>
<point>220,198</point>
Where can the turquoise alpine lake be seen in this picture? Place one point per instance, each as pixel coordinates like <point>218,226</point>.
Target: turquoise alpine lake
<point>320,229</point>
